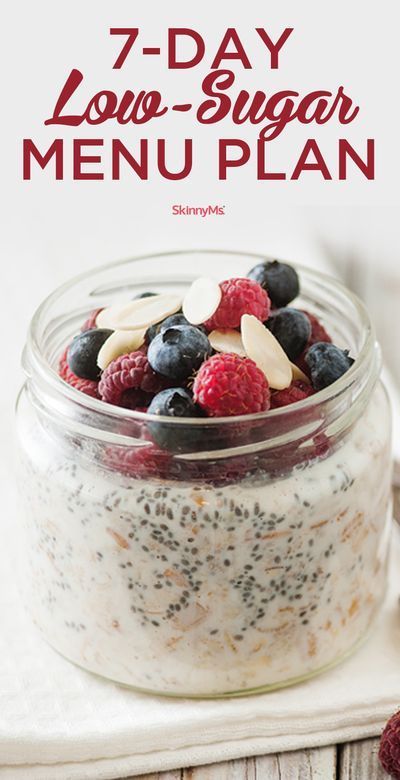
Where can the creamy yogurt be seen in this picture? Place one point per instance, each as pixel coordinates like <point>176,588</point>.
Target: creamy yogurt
<point>181,589</point>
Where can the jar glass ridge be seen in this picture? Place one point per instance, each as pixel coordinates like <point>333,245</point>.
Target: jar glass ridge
<point>220,571</point>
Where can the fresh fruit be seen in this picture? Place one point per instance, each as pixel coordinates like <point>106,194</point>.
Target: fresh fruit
<point>201,300</point>
<point>326,363</point>
<point>90,323</point>
<point>174,402</point>
<point>174,319</point>
<point>126,373</point>
<point>280,280</point>
<point>136,399</point>
<point>83,351</point>
<point>179,351</point>
<point>151,333</point>
<point>139,313</point>
<point>239,296</point>
<point>262,347</point>
<point>121,342</point>
<point>228,384</point>
<point>139,296</point>
<point>86,386</point>
<point>318,332</point>
<point>140,462</point>
<point>389,750</point>
<point>227,340</point>
<point>297,373</point>
<point>291,328</point>
<point>297,391</point>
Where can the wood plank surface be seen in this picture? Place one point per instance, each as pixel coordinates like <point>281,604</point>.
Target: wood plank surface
<point>351,761</point>
<point>359,760</point>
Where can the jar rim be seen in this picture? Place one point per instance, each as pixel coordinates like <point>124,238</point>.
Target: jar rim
<point>35,361</point>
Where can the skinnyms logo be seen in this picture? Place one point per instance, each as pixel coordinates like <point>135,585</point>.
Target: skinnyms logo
<point>197,211</point>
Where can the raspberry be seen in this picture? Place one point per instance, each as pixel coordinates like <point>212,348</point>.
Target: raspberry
<point>296,392</point>
<point>389,751</point>
<point>86,386</point>
<point>239,296</point>
<point>151,462</point>
<point>227,384</point>
<point>91,320</point>
<point>140,462</point>
<point>318,333</point>
<point>125,373</point>
<point>136,399</point>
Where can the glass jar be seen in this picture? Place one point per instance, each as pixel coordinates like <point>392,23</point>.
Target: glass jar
<point>250,556</point>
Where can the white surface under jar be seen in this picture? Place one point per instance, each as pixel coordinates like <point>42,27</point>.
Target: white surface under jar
<point>251,560</point>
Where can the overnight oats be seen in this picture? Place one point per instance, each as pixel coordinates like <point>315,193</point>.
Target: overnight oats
<point>204,471</point>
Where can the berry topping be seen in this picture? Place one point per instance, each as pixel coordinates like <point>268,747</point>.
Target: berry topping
<point>86,386</point>
<point>83,351</point>
<point>201,300</point>
<point>297,391</point>
<point>174,402</point>
<point>326,363</point>
<point>279,280</point>
<point>127,373</point>
<point>169,322</point>
<point>389,750</point>
<point>90,323</point>
<point>139,462</point>
<point>239,296</point>
<point>292,329</point>
<point>318,332</point>
<point>262,347</point>
<point>228,384</point>
<point>139,296</point>
<point>172,321</point>
<point>151,333</point>
<point>179,351</point>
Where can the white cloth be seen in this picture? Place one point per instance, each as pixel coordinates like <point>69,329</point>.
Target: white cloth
<point>58,722</point>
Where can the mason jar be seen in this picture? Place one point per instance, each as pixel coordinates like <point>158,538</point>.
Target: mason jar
<point>251,554</point>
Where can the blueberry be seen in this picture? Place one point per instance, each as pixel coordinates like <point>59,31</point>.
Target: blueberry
<point>292,329</point>
<point>326,363</point>
<point>169,322</point>
<point>280,280</point>
<point>83,351</point>
<point>172,320</point>
<point>143,295</point>
<point>179,351</point>
<point>151,333</point>
<point>174,402</point>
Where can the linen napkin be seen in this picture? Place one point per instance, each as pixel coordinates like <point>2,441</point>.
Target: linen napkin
<point>58,722</point>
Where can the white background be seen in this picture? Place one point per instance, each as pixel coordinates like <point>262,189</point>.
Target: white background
<point>51,230</point>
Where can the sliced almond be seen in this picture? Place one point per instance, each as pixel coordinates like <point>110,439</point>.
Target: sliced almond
<point>226,340</point>
<point>201,300</point>
<point>119,343</point>
<point>262,347</point>
<point>297,373</point>
<point>139,313</point>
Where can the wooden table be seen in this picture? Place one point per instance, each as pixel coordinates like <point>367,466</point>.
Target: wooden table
<point>350,761</point>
